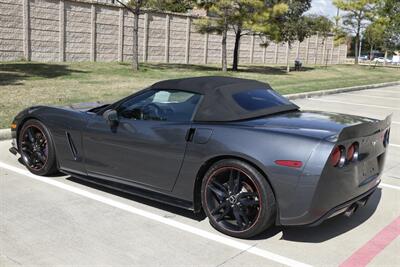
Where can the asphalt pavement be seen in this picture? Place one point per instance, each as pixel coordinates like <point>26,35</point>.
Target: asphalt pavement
<point>63,221</point>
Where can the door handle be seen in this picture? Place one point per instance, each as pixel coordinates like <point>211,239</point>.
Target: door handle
<point>190,134</point>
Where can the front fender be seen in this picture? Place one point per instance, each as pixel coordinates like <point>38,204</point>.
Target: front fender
<point>65,127</point>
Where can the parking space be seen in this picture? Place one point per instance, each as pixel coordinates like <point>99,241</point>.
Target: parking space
<point>60,220</point>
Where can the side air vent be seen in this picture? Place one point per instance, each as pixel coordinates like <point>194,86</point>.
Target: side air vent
<point>72,146</point>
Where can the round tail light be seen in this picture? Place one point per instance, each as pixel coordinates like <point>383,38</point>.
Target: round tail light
<point>338,156</point>
<point>352,152</point>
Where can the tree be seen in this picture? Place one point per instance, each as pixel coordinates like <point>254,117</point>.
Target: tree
<point>239,16</point>
<point>339,34</point>
<point>219,24</point>
<point>374,36</point>
<point>289,26</point>
<point>135,7</point>
<point>357,15</point>
<point>321,25</point>
<point>388,17</point>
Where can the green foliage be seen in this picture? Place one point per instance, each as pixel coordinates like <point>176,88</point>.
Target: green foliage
<point>321,25</point>
<point>136,4</point>
<point>237,15</point>
<point>374,34</point>
<point>179,6</point>
<point>358,13</point>
<point>388,12</point>
<point>265,21</point>
<point>228,13</point>
<point>288,25</point>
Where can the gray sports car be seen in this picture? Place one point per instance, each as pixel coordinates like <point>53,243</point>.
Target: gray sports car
<point>232,147</point>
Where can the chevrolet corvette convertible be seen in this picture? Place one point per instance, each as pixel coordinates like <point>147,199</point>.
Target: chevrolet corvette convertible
<point>233,148</point>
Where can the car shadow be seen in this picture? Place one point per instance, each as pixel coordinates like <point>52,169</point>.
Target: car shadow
<point>148,202</point>
<point>328,229</point>
<point>15,73</point>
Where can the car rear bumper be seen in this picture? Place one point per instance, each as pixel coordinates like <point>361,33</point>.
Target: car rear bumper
<point>347,208</point>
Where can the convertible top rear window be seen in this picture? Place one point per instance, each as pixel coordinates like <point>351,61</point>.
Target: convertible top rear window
<point>257,99</point>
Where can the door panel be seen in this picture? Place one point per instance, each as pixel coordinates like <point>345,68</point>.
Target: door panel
<point>142,151</point>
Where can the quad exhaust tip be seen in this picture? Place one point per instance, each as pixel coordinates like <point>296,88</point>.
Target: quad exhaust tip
<point>353,207</point>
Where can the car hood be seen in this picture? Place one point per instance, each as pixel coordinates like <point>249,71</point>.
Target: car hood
<point>315,124</point>
<point>85,106</point>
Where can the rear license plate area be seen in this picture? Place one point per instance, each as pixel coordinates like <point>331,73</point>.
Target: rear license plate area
<point>369,171</point>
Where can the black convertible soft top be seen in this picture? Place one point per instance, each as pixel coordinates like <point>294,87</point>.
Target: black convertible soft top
<point>230,99</point>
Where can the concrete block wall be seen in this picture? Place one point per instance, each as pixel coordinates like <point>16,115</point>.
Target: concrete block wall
<point>11,30</point>
<point>83,30</point>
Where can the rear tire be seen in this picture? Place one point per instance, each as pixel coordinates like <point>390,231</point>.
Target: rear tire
<point>237,199</point>
<point>37,148</point>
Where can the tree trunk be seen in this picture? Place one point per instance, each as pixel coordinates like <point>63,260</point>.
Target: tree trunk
<point>386,54</point>
<point>370,55</point>
<point>356,48</point>
<point>236,50</point>
<point>370,52</point>
<point>223,54</point>
<point>288,57</point>
<point>135,48</point>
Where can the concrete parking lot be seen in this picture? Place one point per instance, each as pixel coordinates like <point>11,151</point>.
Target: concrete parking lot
<point>62,221</point>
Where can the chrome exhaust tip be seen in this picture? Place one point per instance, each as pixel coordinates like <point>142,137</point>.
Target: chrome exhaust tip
<point>350,211</point>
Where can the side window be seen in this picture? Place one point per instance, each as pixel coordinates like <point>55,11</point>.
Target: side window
<point>160,105</point>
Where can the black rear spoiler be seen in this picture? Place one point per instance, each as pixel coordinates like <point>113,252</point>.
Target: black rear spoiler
<point>365,129</point>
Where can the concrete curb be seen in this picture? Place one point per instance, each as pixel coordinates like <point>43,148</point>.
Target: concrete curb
<point>339,90</point>
<point>5,134</point>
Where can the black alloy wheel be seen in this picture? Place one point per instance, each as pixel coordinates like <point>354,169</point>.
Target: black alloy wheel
<point>36,148</point>
<point>237,199</point>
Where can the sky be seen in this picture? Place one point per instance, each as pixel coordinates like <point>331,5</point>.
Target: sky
<point>323,7</point>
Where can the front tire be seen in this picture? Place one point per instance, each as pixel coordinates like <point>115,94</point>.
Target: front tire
<point>237,199</point>
<point>37,149</point>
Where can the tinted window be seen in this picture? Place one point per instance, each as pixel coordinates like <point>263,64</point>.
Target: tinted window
<point>161,105</point>
<point>259,99</point>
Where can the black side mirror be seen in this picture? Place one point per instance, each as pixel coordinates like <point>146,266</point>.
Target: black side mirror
<point>111,116</point>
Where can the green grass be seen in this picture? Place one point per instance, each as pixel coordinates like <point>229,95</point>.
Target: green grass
<point>25,84</point>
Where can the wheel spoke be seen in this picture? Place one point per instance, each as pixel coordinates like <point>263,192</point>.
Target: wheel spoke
<point>247,194</point>
<point>27,149</point>
<point>238,183</point>
<point>219,207</point>
<point>40,157</point>
<point>220,187</point>
<point>217,192</point>
<point>231,182</point>
<point>41,141</point>
<point>31,135</point>
<point>236,213</point>
<point>249,202</point>
<point>244,216</point>
<point>223,214</point>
